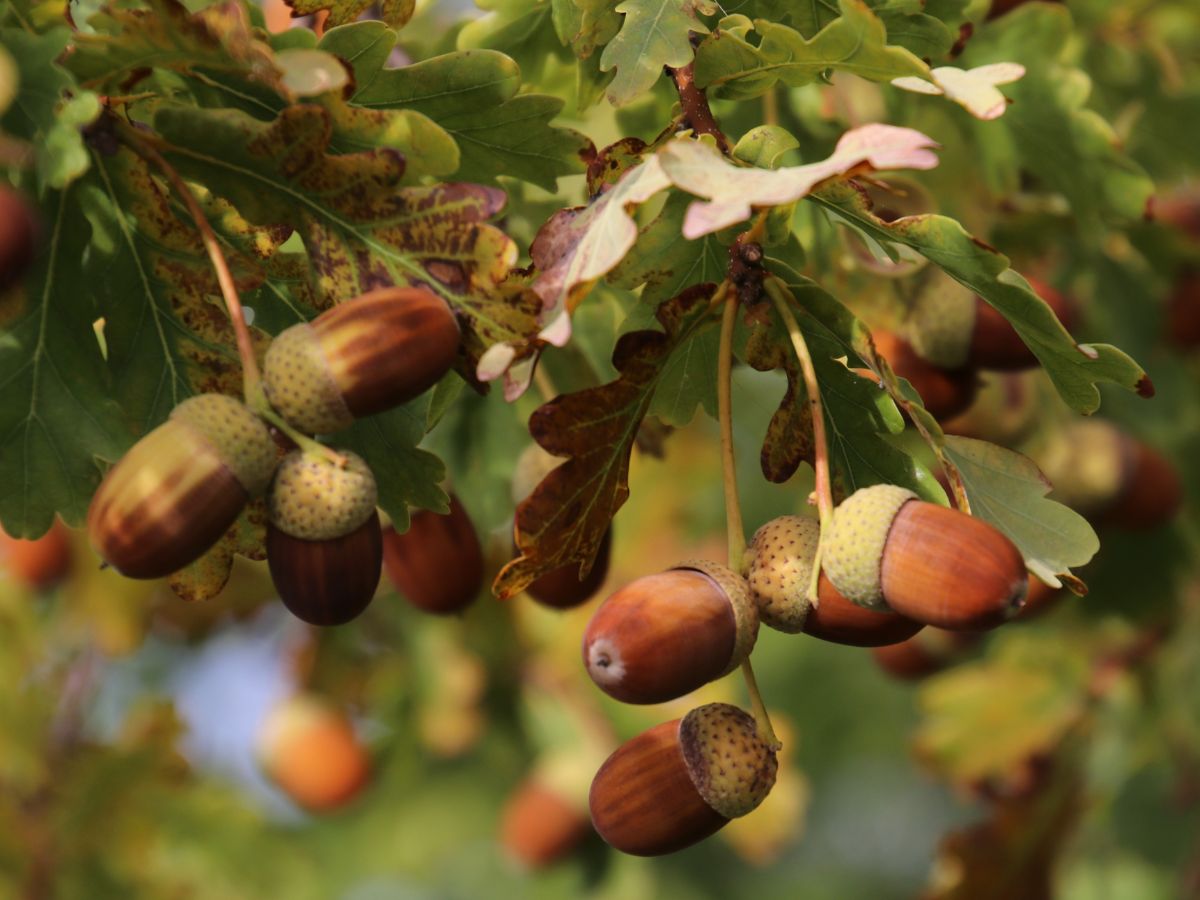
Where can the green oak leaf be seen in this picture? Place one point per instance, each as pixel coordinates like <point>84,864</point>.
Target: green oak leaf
<point>655,33</point>
<point>394,13</point>
<point>564,520</point>
<point>407,476</point>
<point>57,416</point>
<point>1052,132</point>
<point>1074,369</point>
<point>1006,489</point>
<point>474,96</point>
<point>360,227</point>
<point>49,110</point>
<point>585,25</point>
<point>729,65</point>
<point>523,30</point>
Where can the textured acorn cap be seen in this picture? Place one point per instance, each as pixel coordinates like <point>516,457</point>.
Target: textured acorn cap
<point>730,764</point>
<point>314,499</point>
<point>745,613</point>
<point>854,545</point>
<point>940,322</point>
<point>781,557</point>
<point>240,438</point>
<point>299,384</point>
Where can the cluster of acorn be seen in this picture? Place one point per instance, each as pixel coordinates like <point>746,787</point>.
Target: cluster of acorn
<point>177,491</point>
<point>891,565</point>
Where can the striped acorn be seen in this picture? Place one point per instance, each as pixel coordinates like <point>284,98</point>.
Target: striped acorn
<point>179,489</point>
<point>324,544</point>
<point>362,357</point>
<point>681,781</point>
<point>437,564</point>
<point>780,572</point>
<point>664,635</point>
<point>887,550</point>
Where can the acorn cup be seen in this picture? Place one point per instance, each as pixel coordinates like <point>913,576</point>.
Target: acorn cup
<point>681,781</point>
<point>179,489</point>
<point>887,550</point>
<point>324,544</point>
<point>18,236</point>
<point>437,564</point>
<point>944,392</point>
<point>779,576</point>
<point>664,635</point>
<point>361,357</point>
<point>1110,477</point>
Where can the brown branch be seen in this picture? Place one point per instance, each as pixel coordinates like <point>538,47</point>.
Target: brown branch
<point>696,112</point>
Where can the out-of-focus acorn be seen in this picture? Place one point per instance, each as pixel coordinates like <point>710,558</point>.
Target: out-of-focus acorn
<point>177,490</point>
<point>1005,410</point>
<point>361,357</point>
<point>1000,7</point>
<point>539,826</point>
<point>1183,309</point>
<point>309,749</point>
<point>887,550</point>
<point>927,652</point>
<point>437,564</point>
<point>18,236</point>
<point>891,199</point>
<point>952,328</point>
<point>664,635</point>
<point>40,563</point>
<point>780,572</point>
<point>945,392</point>
<point>1041,598</point>
<point>1110,477</point>
<point>324,545</point>
<point>681,781</point>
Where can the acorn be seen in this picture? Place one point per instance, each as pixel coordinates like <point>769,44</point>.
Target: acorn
<point>887,550</point>
<point>39,563</point>
<point>309,749</point>
<point>1005,412</point>
<point>1111,477</point>
<point>324,544</point>
<point>361,357</point>
<point>923,654</point>
<point>1000,7</point>
<point>952,328</point>
<point>664,635</point>
<point>437,564</point>
<point>944,392</point>
<point>18,236</point>
<point>1040,598</point>
<point>179,489</point>
<point>1183,309</point>
<point>779,573</point>
<point>681,781</point>
<point>838,621</point>
<point>540,826</point>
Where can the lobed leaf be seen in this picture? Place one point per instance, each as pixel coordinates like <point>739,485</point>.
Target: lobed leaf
<point>655,33</point>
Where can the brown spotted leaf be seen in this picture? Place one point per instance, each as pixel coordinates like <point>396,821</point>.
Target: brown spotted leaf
<point>205,578</point>
<point>564,519</point>
<point>362,228</point>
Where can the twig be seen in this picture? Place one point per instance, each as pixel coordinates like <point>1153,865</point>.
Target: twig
<point>696,112</point>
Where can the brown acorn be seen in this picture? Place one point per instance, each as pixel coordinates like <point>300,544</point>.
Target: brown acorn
<point>39,563</point>
<point>1040,598</point>
<point>1000,7</point>
<point>1005,412</point>
<point>923,654</point>
<point>1183,309</point>
<point>437,564</point>
<point>324,544</point>
<point>681,781</point>
<point>995,344</point>
<point>779,574</point>
<point>664,635</point>
<point>18,236</point>
<point>562,588</point>
<point>539,826</point>
<point>887,550</point>
<point>361,357</point>
<point>177,490</point>
<point>945,392</point>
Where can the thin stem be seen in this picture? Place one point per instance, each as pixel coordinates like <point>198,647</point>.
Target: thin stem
<point>314,448</point>
<point>697,114</point>
<point>781,296</point>
<point>761,718</point>
<point>251,379</point>
<point>770,105</point>
<point>735,530</point>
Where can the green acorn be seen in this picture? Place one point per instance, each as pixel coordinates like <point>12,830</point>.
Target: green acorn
<point>179,489</point>
<point>324,543</point>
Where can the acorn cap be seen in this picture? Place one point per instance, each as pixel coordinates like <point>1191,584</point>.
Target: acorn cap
<point>315,499</point>
<point>940,322</point>
<point>853,553</point>
<point>781,555</point>
<point>241,438</point>
<point>730,764</point>
<point>745,613</point>
<point>299,384</point>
